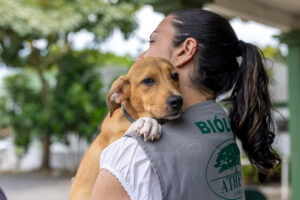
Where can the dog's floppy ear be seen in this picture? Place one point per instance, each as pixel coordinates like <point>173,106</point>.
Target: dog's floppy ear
<point>118,92</point>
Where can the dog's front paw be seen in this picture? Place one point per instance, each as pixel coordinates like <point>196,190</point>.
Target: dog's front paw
<point>146,126</point>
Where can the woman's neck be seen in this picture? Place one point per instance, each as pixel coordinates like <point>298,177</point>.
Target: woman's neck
<point>192,94</point>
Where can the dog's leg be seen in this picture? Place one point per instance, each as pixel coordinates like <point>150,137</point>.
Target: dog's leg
<point>146,126</point>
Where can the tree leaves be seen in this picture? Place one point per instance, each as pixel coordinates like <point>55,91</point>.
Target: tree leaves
<point>40,20</point>
<point>58,89</point>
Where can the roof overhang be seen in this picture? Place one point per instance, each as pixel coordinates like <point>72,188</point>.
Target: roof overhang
<point>283,14</point>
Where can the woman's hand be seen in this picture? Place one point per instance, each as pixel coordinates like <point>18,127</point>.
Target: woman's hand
<point>146,126</point>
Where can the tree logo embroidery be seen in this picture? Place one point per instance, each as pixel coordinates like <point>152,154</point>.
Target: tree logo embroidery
<point>228,158</point>
<point>223,171</point>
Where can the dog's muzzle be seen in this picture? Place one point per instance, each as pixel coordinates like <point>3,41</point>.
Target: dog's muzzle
<point>175,102</point>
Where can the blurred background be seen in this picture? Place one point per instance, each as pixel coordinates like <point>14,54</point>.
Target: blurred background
<point>58,59</point>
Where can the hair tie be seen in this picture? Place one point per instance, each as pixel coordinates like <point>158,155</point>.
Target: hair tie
<point>241,46</point>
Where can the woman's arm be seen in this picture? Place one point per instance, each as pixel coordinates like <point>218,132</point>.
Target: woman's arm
<point>108,187</point>
<point>126,157</point>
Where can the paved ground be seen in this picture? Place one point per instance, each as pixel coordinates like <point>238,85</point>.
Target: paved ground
<point>35,186</point>
<point>272,192</point>
<point>56,186</point>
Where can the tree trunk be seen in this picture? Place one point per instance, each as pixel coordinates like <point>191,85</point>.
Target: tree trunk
<point>34,59</point>
<point>46,152</point>
<point>46,139</point>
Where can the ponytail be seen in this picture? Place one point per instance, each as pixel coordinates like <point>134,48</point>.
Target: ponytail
<point>250,114</point>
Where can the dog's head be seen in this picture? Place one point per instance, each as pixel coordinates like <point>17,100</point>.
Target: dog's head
<point>151,87</point>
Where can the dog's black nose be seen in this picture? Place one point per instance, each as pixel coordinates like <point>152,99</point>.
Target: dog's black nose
<point>175,102</point>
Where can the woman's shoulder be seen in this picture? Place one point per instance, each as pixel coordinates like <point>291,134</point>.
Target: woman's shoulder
<point>121,153</point>
<point>120,146</point>
<point>126,160</point>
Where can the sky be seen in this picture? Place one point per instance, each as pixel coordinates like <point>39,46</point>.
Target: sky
<point>248,31</point>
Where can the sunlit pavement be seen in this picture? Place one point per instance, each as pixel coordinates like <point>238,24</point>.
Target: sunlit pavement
<point>56,186</point>
<point>35,186</point>
<point>272,191</point>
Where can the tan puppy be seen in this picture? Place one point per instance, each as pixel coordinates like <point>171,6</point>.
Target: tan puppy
<point>150,89</point>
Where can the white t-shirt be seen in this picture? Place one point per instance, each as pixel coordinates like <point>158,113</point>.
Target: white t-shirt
<point>127,161</point>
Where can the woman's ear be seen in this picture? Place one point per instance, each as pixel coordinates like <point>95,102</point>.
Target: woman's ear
<point>118,92</point>
<point>185,52</point>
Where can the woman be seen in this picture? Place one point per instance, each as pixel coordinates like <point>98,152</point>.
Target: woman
<point>197,157</point>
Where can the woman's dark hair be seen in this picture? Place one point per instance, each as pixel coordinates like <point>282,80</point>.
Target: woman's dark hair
<point>218,71</point>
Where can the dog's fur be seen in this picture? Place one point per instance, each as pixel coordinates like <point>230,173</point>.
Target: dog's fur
<point>139,100</point>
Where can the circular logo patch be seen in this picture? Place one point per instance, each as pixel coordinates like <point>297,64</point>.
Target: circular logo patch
<point>223,171</point>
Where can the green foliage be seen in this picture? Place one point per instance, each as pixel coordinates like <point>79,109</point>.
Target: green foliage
<point>4,122</point>
<point>273,52</point>
<point>58,89</point>
<point>20,107</point>
<point>76,103</point>
<point>110,59</point>
<point>250,174</point>
<point>23,23</point>
<point>36,18</point>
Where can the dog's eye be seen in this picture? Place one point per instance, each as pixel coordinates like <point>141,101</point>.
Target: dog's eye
<point>148,81</point>
<point>175,76</point>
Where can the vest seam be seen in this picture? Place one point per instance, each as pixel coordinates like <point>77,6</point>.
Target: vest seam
<point>151,161</point>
